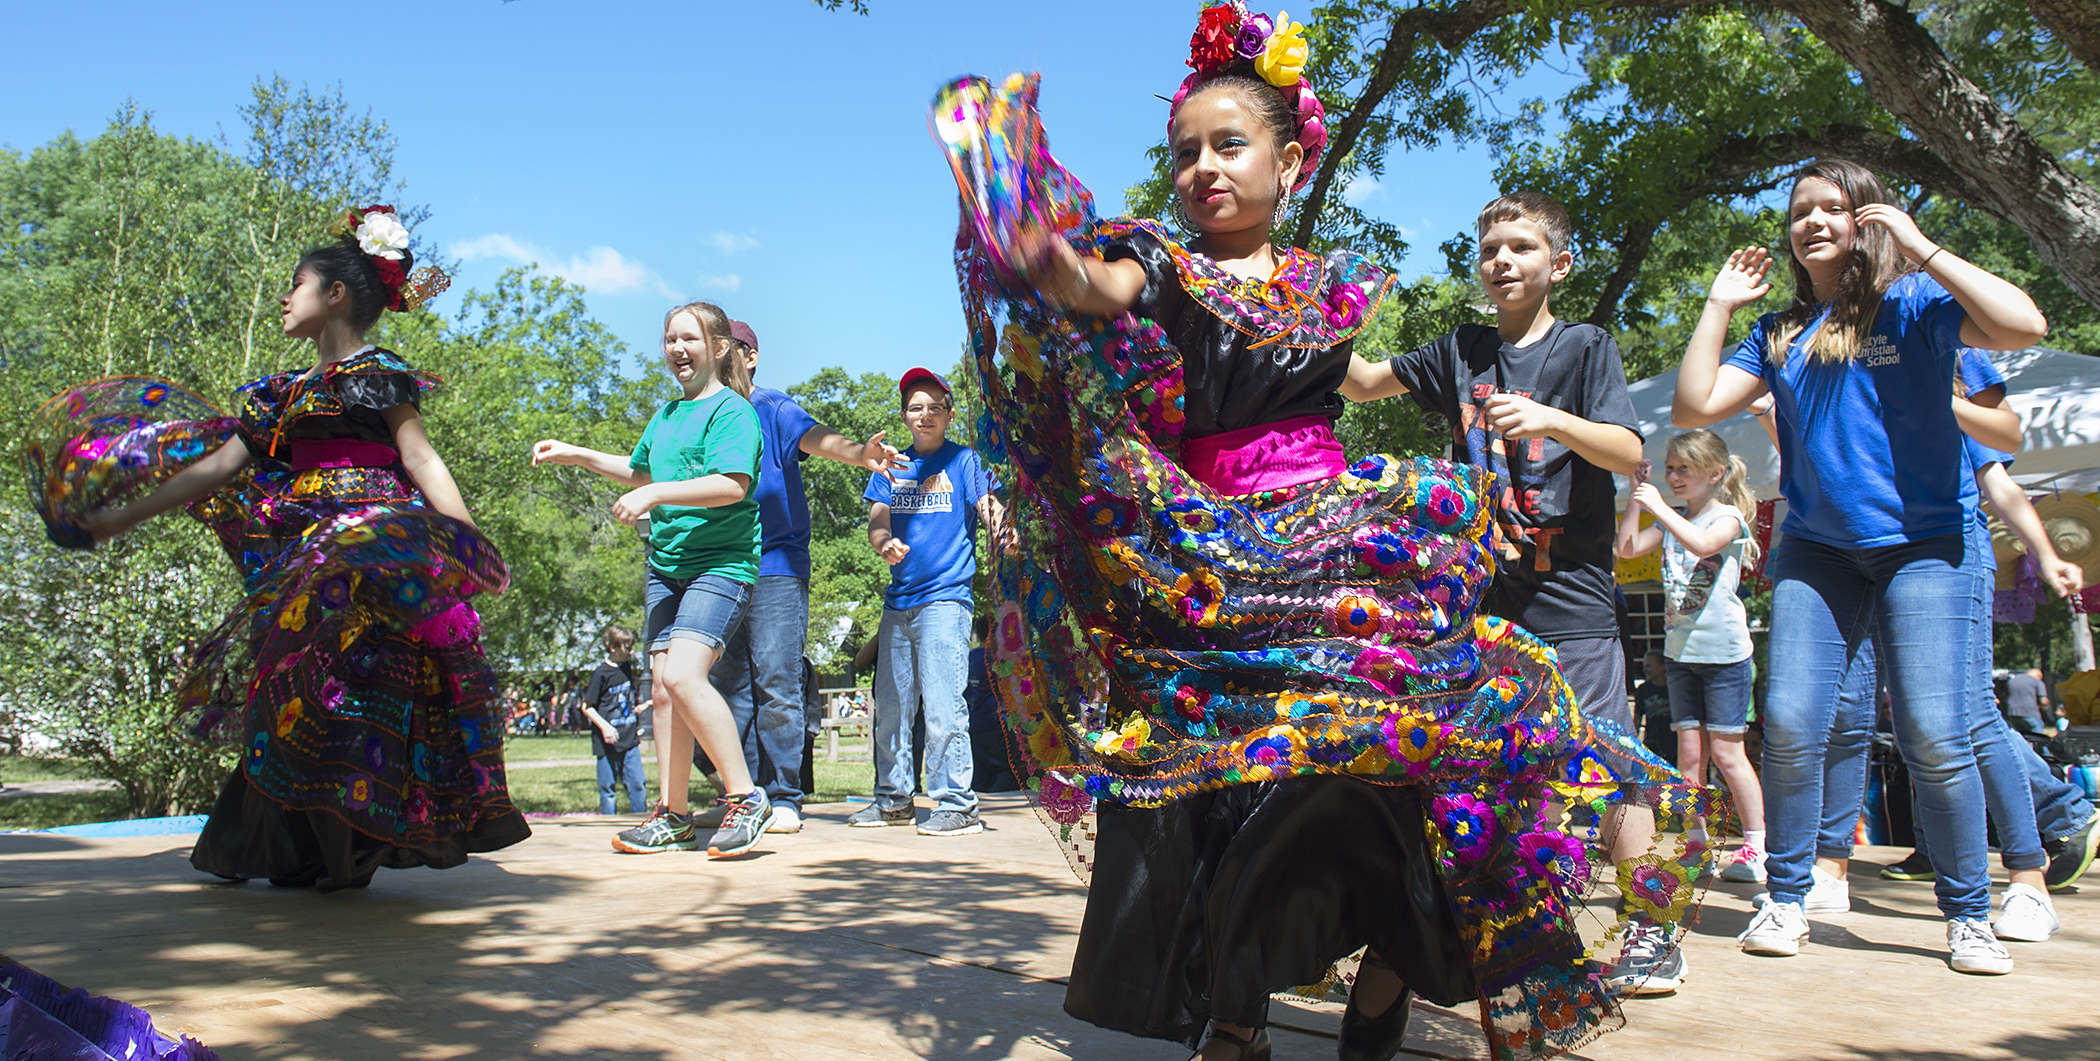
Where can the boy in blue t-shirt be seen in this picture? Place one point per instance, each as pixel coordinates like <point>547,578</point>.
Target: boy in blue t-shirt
<point>922,519</point>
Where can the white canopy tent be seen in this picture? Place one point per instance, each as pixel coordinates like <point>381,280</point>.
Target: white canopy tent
<point>2057,395</point>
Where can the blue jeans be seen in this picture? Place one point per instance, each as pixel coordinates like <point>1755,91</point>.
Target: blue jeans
<point>1845,762</point>
<point>627,766</point>
<point>925,661</point>
<point>1913,600</point>
<point>760,675</point>
<point>2060,807</point>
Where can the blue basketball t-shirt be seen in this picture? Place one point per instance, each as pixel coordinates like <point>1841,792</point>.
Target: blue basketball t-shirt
<point>933,509</point>
<point>1869,451</point>
<point>783,505</point>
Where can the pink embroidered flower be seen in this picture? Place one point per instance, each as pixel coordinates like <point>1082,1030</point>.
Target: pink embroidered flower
<point>1064,803</point>
<point>1346,305</point>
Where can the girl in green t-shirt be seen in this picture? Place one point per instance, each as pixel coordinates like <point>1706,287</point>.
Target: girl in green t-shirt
<point>691,474</point>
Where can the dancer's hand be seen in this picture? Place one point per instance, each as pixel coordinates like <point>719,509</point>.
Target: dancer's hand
<point>1742,280</point>
<point>1901,228</point>
<point>2061,575</point>
<point>634,504</point>
<point>1647,496</point>
<point>555,451</point>
<point>105,523</point>
<point>1515,416</point>
<point>880,457</point>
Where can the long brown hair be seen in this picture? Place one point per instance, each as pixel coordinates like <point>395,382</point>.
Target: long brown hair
<point>734,373</point>
<point>1703,451</point>
<point>1854,297</point>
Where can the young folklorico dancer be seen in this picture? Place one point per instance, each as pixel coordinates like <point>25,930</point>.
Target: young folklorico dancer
<point>1706,640</point>
<point>352,672</point>
<point>691,474</point>
<point>760,673</point>
<point>1875,541</point>
<point>1542,403</point>
<point>1265,670</point>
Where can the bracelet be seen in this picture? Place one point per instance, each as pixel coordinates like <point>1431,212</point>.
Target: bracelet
<point>1085,284</point>
<point>1928,258</point>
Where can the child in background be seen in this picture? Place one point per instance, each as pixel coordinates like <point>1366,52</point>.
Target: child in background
<point>1543,403</point>
<point>1862,366</point>
<point>1707,633</point>
<point>1651,704</point>
<point>691,473</point>
<point>616,728</point>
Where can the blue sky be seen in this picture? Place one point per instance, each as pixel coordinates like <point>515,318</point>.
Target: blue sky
<point>772,157</point>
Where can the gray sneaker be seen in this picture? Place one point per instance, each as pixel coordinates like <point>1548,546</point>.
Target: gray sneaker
<point>742,826</point>
<point>1650,964</point>
<point>951,823</point>
<point>875,816</point>
<point>711,818</point>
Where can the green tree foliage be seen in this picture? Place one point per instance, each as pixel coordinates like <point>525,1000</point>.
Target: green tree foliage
<point>846,577</point>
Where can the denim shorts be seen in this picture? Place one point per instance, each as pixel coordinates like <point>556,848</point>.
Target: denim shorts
<point>704,608</point>
<point>1714,697</point>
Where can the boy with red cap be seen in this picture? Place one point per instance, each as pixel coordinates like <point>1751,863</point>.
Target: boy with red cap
<point>922,519</point>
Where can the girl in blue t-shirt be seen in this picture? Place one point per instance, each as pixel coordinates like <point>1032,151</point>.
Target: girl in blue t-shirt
<point>1861,368</point>
<point>691,476</point>
<point>1706,640</point>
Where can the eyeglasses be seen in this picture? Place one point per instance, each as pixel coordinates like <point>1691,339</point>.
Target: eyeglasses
<point>917,409</point>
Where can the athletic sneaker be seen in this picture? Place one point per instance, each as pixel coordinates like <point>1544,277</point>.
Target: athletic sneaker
<point>1976,948</point>
<point>2026,915</point>
<point>1827,894</point>
<point>1649,964</point>
<point>1748,866</point>
<point>1777,930</point>
<point>2073,856</point>
<point>1915,866</point>
<point>743,825</point>
<point>951,823</point>
<point>666,830</point>
<point>711,818</point>
<point>875,816</point>
<point>786,819</point>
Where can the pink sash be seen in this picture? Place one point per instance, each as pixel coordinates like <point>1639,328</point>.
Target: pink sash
<point>1266,456</point>
<point>309,453</point>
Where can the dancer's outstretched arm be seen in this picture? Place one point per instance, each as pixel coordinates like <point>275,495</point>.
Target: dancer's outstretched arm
<point>190,484</point>
<point>611,465</point>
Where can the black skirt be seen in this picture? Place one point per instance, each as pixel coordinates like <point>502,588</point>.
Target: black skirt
<point>250,835</point>
<point>1200,909</point>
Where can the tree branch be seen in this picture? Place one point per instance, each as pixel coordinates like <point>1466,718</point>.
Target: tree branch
<point>2074,22</point>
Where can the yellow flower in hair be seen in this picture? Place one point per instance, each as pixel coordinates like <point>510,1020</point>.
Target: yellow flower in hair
<point>1282,63</point>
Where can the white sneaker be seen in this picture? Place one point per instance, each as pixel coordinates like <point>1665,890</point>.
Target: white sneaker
<point>786,819</point>
<point>1778,930</point>
<point>1976,949</point>
<point>1748,866</point>
<point>1827,894</point>
<point>2026,915</point>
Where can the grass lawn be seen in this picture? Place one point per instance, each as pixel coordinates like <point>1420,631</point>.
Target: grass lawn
<point>535,790</point>
<point>574,789</point>
<point>44,812</point>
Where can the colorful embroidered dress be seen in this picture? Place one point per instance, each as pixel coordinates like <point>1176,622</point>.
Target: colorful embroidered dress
<point>351,674</point>
<point>1158,642</point>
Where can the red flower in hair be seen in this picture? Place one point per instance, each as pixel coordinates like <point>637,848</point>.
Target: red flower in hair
<point>390,271</point>
<point>1213,45</point>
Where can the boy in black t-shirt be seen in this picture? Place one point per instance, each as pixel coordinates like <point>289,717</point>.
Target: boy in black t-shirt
<point>1542,403</point>
<point>616,738</point>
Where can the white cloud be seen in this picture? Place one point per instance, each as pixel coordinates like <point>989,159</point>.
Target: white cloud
<point>1360,189</point>
<point>730,242</point>
<point>602,270</point>
<point>731,282</point>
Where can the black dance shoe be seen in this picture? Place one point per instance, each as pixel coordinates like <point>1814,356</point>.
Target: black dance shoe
<point>1255,1048</point>
<point>1368,1038</point>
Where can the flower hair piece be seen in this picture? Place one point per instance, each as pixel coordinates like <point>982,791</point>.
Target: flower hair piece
<point>1229,40</point>
<point>378,232</point>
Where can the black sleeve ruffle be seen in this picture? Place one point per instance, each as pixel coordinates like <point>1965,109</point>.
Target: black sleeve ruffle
<point>378,390</point>
<point>1163,292</point>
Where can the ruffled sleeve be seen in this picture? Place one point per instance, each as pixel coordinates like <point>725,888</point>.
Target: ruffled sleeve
<point>380,379</point>
<point>1124,240</point>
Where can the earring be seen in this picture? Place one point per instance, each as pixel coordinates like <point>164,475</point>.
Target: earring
<point>1283,206</point>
